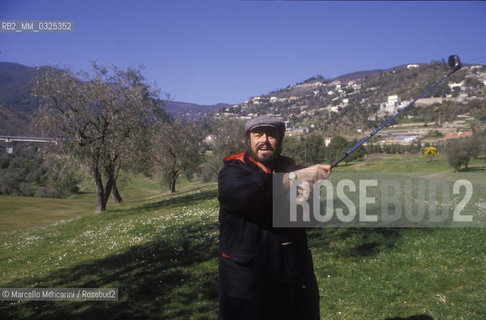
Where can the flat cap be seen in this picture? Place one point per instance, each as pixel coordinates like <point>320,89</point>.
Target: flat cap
<point>265,121</point>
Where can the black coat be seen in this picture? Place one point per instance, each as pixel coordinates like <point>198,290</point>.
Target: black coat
<point>264,272</point>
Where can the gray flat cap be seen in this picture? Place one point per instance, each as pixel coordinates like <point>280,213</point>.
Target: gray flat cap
<point>265,121</point>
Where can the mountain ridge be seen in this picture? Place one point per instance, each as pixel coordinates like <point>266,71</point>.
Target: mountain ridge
<point>18,107</point>
<point>328,104</point>
<point>362,100</point>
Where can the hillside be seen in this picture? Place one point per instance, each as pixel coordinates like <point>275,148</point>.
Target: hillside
<point>17,107</point>
<point>15,86</point>
<point>13,122</point>
<point>364,99</point>
<point>16,104</point>
<point>192,110</point>
<point>358,99</point>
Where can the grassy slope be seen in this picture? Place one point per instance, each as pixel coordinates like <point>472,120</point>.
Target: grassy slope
<point>398,273</point>
<point>161,251</point>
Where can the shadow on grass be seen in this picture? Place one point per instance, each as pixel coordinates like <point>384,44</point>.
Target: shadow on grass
<point>416,317</point>
<point>181,200</point>
<point>355,242</point>
<point>473,169</point>
<point>174,277</point>
<point>174,201</point>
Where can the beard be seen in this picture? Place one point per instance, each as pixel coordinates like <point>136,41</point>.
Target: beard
<point>267,159</point>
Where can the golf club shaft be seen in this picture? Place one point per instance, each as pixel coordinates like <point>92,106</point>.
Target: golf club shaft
<point>344,155</point>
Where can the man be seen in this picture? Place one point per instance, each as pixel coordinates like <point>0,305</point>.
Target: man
<point>264,272</point>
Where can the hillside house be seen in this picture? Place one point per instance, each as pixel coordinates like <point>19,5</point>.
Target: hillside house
<point>405,140</point>
<point>297,131</point>
<point>456,85</point>
<point>394,100</point>
<point>327,141</point>
<point>458,135</point>
<point>209,139</point>
<point>391,106</point>
<point>412,66</point>
<point>310,85</point>
<point>333,109</point>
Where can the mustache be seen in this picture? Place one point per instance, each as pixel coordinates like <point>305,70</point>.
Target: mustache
<point>264,145</point>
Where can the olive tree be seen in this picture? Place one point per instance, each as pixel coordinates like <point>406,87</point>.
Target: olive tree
<point>306,150</point>
<point>229,139</point>
<point>98,119</point>
<point>336,147</point>
<point>459,152</point>
<point>175,149</point>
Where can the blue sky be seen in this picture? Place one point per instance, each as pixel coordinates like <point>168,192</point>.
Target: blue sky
<point>214,51</point>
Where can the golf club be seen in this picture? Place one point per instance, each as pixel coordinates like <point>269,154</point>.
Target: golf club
<point>455,65</point>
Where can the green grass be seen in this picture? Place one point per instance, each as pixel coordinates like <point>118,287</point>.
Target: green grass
<point>387,273</point>
<point>396,163</point>
<point>28,212</point>
<point>161,252</point>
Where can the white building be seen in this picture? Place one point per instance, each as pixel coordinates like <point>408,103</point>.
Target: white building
<point>393,104</point>
<point>394,100</point>
<point>209,139</point>
<point>334,109</point>
<point>455,85</point>
<point>327,141</point>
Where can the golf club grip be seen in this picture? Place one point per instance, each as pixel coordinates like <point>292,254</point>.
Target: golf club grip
<point>341,158</point>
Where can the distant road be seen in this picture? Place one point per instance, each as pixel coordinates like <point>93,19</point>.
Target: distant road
<point>9,139</point>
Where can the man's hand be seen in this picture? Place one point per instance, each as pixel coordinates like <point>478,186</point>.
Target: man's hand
<point>314,173</point>
<point>309,175</point>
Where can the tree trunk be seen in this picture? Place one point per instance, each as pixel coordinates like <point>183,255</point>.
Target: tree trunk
<point>172,182</point>
<point>100,196</point>
<point>171,186</point>
<point>115,194</point>
<point>109,183</point>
